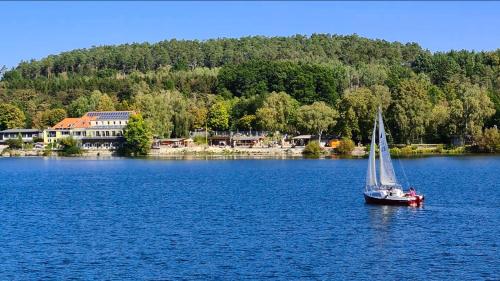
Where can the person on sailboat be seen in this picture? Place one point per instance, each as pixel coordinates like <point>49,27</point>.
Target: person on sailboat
<point>412,192</point>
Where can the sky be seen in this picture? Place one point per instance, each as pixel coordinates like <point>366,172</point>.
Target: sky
<point>33,30</point>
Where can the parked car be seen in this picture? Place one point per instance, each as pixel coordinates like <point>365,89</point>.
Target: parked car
<point>39,145</point>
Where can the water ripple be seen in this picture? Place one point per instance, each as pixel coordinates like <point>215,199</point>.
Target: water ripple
<point>122,219</point>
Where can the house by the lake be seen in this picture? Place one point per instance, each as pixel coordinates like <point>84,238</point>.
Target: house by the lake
<point>174,142</point>
<point>326,140</point>
<point>302,140</point>
<point>27,135</point>
<point>94,130</point>
<point>220,138</point>
<point>248,141</point>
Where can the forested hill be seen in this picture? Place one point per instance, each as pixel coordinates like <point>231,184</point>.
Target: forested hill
<point>181,55</point>
<point>181,85</point>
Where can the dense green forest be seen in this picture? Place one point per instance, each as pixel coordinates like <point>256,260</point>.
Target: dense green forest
<point>283,84</point>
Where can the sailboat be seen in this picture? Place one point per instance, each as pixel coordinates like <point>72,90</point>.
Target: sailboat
<point>386,190</point>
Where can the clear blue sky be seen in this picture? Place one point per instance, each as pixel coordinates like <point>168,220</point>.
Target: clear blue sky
<point>36,29</point>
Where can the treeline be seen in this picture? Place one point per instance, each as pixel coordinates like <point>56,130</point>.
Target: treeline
<point>270,84</point>
<point>190,54</point>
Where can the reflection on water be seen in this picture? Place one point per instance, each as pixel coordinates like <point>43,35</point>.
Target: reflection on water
<point>381,216</point>
<point>385,219</point>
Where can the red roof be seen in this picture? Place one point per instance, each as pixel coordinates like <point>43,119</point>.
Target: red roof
<point>72,123</point>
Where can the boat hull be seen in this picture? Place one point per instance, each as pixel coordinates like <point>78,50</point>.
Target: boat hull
<point>419,199</point>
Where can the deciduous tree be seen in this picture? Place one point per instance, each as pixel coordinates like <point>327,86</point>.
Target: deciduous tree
<point>157,112</point>
<point>410,110</point>
<point>11,117</point>
<point>49,118</point>
<point>105,103</point>
<point>278,113</point>
<point>317,118</point>
<point>247,122</point>
<point>358,109</point>
<point>138,136</point>
<point>488,141</point>
<point>470,110</point>
<point>218,116</point>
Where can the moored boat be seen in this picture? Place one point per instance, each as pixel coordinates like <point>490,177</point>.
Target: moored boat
<point>386,190</point>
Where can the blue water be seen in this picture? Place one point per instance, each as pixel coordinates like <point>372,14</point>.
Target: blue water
<point>126,219</point>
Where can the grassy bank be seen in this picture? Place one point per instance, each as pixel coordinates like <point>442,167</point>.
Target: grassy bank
<point>415,150</point>
<point>430,150</point>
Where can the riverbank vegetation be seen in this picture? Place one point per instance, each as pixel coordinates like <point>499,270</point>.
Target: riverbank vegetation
<point>314,84</point>
<point>488,141</point>
<point>69,147</point>
<point>16,143</point>
<point>414,150</point>
<point>137,137</point>
<point>312,150</point>
<point>345,147</point>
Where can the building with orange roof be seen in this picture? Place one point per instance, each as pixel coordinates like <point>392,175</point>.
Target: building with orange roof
<point>94,130</point>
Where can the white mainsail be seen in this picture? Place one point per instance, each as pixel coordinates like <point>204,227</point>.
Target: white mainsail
<point>387,175</point>
<point>371,174</point>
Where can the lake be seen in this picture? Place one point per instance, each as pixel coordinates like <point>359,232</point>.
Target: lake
<point>138,219</point>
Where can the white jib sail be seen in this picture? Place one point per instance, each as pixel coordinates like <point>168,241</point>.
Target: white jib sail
<point>387,175</point>
<point>371,174</point>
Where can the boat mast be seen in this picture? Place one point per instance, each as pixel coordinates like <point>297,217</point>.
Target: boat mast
<point>371,174</point>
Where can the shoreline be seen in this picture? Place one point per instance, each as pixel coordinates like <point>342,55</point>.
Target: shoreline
<point>225,153</point>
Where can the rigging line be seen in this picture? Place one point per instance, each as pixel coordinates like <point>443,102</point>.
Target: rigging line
<point>404,173</point>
